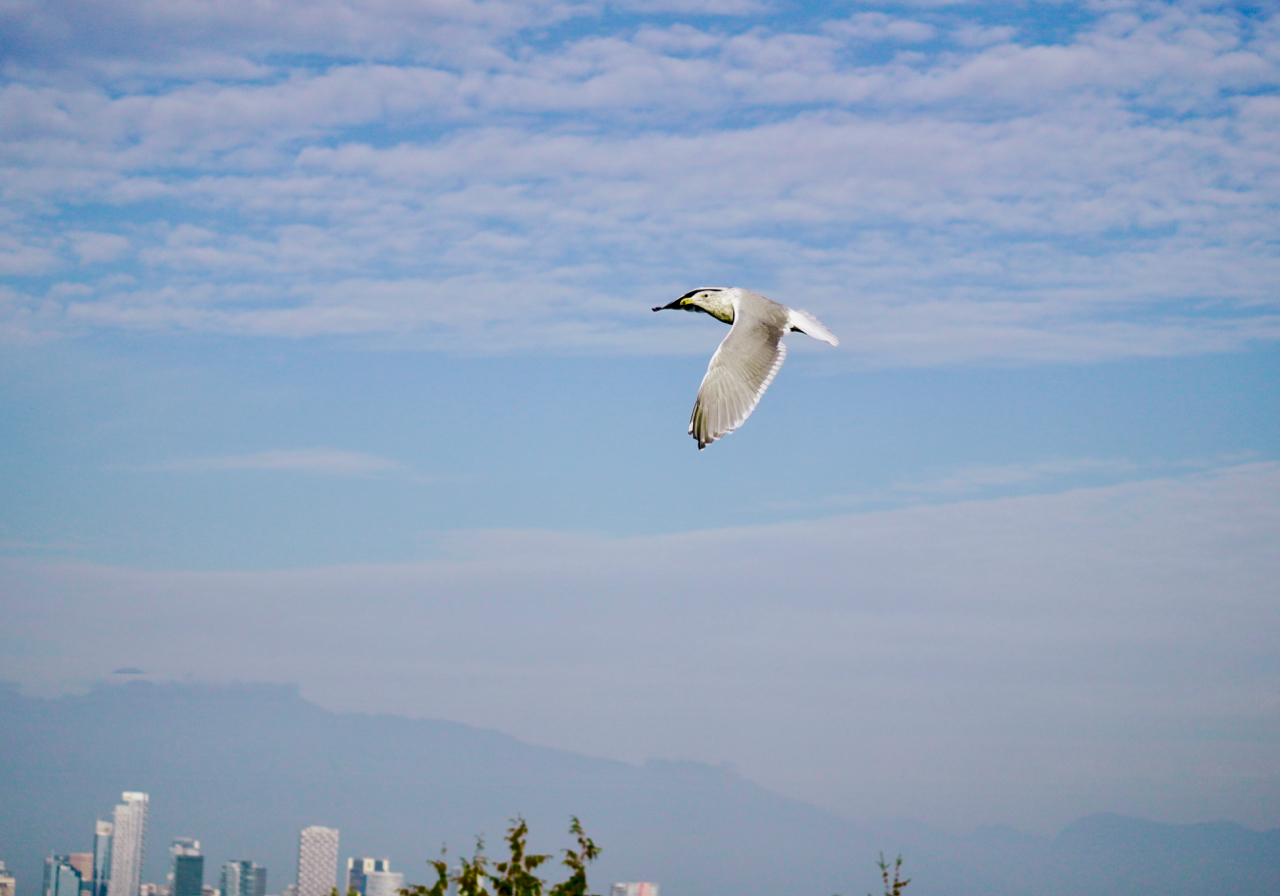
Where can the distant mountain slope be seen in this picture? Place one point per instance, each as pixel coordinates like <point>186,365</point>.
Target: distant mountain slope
<point>244,768</point>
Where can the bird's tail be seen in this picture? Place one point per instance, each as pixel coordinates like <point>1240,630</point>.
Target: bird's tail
<point>809,325</point>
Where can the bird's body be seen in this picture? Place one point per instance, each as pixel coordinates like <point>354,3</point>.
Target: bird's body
<point>747,360</point>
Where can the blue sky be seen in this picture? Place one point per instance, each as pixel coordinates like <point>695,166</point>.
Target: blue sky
<point>348,304</point>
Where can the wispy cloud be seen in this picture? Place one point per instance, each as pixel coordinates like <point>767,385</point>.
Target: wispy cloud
<point>975,479</point>
<point>991,480</point>
<point>1082,471</point>
<point>319,461</point>
<point>920,642</point>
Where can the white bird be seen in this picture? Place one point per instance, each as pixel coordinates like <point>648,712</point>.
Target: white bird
<point>747,361</point>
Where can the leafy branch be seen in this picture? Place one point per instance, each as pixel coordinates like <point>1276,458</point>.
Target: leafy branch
<point>515,876</point>
<point>899,883</point>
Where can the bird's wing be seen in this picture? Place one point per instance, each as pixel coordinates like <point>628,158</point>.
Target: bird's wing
<point>741,369</point>
<point>806,323</point>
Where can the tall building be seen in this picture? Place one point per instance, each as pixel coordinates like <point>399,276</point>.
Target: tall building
<point>7,884</point>
<point>60,877</point>
<point>187,875</point>
<point>229,883</point>
<point>244,878</point>
<point>637,888</point>
<point>359,869</point>
<point>382,883</point>
<point>101,858</point>
<point>128,839</point>
<point>317,861</point>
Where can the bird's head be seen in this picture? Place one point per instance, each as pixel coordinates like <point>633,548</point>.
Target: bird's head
<point>714,300</point>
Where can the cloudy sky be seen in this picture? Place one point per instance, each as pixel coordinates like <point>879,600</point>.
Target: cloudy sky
<point>326,357</point>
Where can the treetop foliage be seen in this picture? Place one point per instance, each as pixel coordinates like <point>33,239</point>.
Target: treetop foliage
<point>479,876</point>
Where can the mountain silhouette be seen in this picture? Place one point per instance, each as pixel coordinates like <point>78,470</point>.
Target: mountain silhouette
<point>243,768</point>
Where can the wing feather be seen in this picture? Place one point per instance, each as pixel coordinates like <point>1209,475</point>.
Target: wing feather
<point>741,369</point>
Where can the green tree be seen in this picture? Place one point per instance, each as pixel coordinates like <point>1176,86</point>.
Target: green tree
<point>515,876</point>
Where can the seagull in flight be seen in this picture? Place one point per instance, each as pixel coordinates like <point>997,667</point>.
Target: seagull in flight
<point>747,361</point>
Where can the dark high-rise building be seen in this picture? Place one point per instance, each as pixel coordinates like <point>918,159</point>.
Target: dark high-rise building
<point>187,875</point>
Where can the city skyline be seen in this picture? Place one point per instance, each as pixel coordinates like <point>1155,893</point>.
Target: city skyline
<point>75,874</point>
<point>123,839</point>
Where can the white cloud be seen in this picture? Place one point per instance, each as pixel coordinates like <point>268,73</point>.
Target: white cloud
<point>693,7</point>
<point>19,258</point>
<point>180,36</point>
<point>91,247</point>
<point>877,26</point>
<point>970,35</point>
<point>1074,201</point>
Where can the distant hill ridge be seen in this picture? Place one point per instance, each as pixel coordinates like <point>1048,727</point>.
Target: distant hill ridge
<point>244,767</point>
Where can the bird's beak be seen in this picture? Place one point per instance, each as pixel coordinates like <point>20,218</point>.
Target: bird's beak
<point>675,304</point>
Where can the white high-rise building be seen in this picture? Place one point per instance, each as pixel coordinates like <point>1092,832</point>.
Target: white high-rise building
<point>128,838</point>
<point>382,883</point>
<point>317,861</point>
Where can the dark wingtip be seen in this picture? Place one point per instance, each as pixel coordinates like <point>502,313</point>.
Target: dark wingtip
<point>657,307</point>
